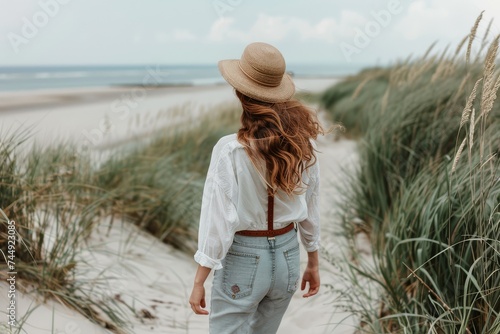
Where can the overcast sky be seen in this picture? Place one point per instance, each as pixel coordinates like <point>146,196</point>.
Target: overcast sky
<point>37,32</point>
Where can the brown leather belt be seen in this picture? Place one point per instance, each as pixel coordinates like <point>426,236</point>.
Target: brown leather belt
<point>266,233</point>
<point>270,232</point>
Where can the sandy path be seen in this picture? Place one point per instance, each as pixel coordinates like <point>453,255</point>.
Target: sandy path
<point>318,315</point>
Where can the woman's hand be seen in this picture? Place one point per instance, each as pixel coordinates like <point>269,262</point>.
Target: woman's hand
<point>311,275</point>
<point>197,299</point>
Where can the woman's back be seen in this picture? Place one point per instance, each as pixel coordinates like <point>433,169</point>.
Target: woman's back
<point>244,183</point>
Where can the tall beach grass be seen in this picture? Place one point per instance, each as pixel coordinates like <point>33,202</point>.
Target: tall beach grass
<point>427,190</point>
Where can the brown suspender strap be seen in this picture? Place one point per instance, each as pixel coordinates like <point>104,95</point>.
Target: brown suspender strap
<point>270,232</point>
<point>270,211</point>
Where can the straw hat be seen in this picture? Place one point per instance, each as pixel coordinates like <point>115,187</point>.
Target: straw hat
<point>259,74</point>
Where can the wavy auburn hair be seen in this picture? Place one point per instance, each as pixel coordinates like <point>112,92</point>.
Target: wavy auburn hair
<point>280,134</point>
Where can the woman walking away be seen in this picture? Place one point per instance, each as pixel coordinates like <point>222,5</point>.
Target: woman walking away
<point>262,185</point>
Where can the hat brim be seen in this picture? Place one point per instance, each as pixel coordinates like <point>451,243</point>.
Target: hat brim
<point>232,73</point>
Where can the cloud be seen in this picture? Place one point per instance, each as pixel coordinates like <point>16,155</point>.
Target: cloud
<point>183,35</point>
<point>423,19</point>
<point>222,29</point>
<point>177,35</point>
<point>277,28</point>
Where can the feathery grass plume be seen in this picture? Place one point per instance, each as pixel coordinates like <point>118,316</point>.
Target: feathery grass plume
<point>402,71</point>
<point>442,57</point>
<point>486,33</point>
<point>461,44</point>
<point>423,69</point>
<point>496,87</point>
<point>472,35</point>
<point>471,128</point>
<point>492,156</point>
<point>438,73</point>
<point>428,51</point>
<point>398,74</point>
<point>419,67</point>
<point>363,84</point>
<point>489,92</point>
<point>360,87</point>
<point>468,105</point>
<point>385,100</point>
<point>458,155</point>
<point>442,65</point>
<point>484,42</point>
<point>450,68</point>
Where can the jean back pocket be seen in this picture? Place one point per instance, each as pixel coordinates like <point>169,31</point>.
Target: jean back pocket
<point>239,274</point>
<point>292,258</point>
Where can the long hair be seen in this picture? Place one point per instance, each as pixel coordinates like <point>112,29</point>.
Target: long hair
<point>279,134</point>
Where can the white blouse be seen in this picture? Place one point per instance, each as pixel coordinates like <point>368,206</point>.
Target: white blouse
<point>235,199</point>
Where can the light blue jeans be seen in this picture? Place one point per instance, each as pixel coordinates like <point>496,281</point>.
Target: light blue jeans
<point>252,291</point>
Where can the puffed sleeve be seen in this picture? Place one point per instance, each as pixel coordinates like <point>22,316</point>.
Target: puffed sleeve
<point>218,218</point>
<point>309,228</point>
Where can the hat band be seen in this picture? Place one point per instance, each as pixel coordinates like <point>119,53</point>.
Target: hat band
<point>267,80</point>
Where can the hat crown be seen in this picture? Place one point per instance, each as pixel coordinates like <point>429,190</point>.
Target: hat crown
<point>263,63</point>
<point>260,73</point>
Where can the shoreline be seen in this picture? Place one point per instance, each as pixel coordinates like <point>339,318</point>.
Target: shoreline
<point>18,100</point>
<point>99,117</point>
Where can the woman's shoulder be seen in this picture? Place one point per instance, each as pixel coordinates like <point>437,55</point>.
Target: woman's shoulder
<point>227,139</point>
<point>226,145</point>
<point>229,142</point>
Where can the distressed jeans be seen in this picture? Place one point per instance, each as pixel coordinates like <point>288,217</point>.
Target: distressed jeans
<point>252,291</point>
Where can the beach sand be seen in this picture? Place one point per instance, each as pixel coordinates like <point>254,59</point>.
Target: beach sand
<point>140,270</point>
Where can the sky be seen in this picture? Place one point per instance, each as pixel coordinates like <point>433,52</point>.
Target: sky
<point>137,32</point>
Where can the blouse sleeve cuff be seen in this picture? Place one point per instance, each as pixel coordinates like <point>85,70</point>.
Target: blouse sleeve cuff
<point>206,261</point>
<point>311,246</point>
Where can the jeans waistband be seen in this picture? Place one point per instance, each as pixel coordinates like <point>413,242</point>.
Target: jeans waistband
<point>262,242</point>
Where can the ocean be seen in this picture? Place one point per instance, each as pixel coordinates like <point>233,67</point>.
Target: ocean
<point>57,77</point>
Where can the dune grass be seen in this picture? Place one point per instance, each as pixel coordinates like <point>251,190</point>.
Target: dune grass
<point>427,191</point>
<point>57,195</point>
<point>41,193</point>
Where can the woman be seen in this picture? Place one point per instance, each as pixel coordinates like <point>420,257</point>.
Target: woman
<point>262,184</point>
